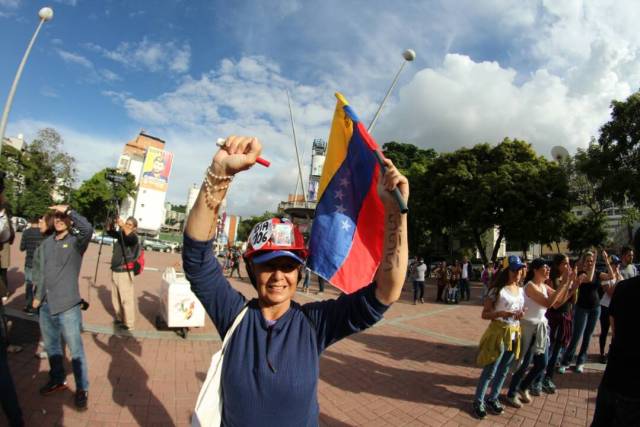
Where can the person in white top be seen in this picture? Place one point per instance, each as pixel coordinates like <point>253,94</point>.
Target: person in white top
<point>418,271</point>
<point>500,343</point>
<point>538,296</point>
<point>608,282</point>
<point>465,276</point>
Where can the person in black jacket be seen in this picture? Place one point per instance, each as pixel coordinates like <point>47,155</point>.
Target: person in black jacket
<point>126,250</point>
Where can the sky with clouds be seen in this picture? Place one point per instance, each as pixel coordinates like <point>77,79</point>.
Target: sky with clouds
<point>192,71</point>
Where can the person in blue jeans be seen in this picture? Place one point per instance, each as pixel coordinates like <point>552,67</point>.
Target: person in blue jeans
<point>500,343</point>
<point>538,297</point>
<point>58,261</point>
<point>585,316</point>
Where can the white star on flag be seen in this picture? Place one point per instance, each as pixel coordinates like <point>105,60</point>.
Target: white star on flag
<point>345,225</point>
<point>344,182</point>
<point>339,194</point>
<point>340,209</point>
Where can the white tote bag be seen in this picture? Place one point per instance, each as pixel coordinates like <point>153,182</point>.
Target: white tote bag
<point>208,412</point>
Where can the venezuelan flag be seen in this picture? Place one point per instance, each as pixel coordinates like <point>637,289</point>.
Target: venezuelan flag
<point>345,246</point>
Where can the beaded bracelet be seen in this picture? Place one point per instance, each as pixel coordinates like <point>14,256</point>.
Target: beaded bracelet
<point>219,177</point>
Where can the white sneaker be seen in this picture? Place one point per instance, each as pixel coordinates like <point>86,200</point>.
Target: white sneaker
<point>514,401</point>
<point>525,397</point>
<point>579,369</point>
<point>562,369</point>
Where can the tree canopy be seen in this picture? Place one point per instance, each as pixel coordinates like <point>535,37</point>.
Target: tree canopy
<point>97,197</point>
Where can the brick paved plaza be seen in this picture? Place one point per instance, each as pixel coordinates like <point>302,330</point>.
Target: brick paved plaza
<point>415,368</point>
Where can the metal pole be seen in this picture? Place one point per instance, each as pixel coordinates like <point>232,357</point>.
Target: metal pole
<point>408,55</point>
<point>295,143</point>
<point>384,100</point>
<point>12,91</point>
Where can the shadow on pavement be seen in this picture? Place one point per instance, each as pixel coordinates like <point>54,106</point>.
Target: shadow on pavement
<point>30,373</point>
<point>129,380</point>
<point>402,348</point>
<point>452,390</point>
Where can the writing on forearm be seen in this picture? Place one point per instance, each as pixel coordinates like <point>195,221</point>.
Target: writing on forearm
<point>391,257</point>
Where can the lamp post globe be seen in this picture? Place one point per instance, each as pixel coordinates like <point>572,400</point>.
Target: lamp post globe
<point>46,13</point>
<point>409,55</point>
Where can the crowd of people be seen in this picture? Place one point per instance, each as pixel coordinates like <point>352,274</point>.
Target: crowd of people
<point>539,315</point>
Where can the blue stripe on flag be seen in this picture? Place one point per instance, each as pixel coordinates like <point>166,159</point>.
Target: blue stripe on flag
<point>337,212</point>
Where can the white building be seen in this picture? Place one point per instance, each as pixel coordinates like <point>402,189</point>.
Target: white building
<point>145,158</point>
<point>192,195</point>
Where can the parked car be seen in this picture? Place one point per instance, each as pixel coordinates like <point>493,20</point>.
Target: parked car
<point>19,223</point>
<point>175,246</point>
<point>155,245</point>
<point>106,239</point>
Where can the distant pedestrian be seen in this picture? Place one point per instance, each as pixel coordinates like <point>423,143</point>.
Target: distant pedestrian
<point>618,400</point>
<point>31,239</point>
<point>486,277</point>
<point>500,343</point>
<point>418,273</point>
<point>627,268</point>
<point>235,263</point>
<point>441,280</point>
<point>59,296</point>
<point>126,251</point>
<point>466,272</point>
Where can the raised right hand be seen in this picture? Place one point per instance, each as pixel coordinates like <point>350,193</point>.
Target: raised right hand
<point>239,153</point>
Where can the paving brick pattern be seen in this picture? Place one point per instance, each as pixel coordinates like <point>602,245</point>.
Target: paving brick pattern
<point>415,368</point>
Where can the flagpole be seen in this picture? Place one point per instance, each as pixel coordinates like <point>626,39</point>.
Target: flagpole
<point>408,55</point>
<point>295,143</point>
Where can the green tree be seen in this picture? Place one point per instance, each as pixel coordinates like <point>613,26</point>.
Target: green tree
<point>507,186</point>
<point>614,160</point>
<point>413,162</point>
<point>245,226</point>
<point>586,232</point>
<point>97,196</point>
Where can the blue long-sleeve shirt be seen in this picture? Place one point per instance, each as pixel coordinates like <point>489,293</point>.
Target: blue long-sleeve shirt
<point>270,374</point>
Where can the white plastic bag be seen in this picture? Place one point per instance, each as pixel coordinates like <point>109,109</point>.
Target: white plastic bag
<point>208,412</point>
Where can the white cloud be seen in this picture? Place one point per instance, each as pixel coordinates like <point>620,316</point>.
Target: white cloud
<point>93,74</point>
<point>74,58</point>
<point>67,2</point>
<point>149,55</point>
<point>10,4</point>
<point>247,96</point>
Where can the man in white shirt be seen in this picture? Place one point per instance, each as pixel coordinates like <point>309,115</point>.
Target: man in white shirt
<point>419,270</point>
<point>465,275</point>
<point>627,268</point>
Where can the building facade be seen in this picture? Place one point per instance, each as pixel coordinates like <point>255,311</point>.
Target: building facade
<point>146,159</point>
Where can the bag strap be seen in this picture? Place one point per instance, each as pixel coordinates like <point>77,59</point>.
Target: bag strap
<point>235,323</point>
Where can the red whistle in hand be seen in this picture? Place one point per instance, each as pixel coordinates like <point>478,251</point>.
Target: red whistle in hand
<point>263,162</point>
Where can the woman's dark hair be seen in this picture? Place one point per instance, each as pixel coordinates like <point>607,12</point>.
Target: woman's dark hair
<point>48,220</point>
<point>502,278</point>
<point>535,265</point>
<point>555,267</point>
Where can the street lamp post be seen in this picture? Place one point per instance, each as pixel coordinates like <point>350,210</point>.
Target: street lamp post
<point>45,14</point>
<point>408,56</point>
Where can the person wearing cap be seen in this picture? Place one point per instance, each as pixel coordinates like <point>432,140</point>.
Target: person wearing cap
<point>608,282</point>
<point>538,297</point>
<point>271,365</point>
<point>500,343</point>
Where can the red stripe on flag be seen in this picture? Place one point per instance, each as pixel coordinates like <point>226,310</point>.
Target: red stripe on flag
<point>366,249</point>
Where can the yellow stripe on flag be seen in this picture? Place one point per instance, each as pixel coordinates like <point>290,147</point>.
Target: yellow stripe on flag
<point>341,132</point>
